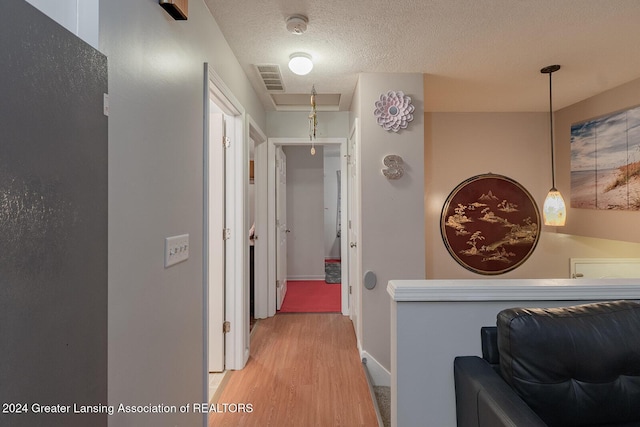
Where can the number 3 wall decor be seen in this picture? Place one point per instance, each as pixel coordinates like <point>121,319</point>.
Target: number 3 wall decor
<point>394,169</point>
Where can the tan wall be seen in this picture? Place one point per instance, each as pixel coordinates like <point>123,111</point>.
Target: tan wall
<point>461,145</point>
<point>616,225</point>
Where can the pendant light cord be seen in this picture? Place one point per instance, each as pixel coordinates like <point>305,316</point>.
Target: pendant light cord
<point>553,164</point>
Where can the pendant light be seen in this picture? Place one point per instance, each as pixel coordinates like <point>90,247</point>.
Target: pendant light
<point>313,120</point>
<point>554,209</point>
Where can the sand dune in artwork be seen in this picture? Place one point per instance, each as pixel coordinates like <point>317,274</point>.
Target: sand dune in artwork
<point>584,191</point>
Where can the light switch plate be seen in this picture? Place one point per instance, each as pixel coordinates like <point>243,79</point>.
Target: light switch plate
<point>105,104</point>
<point>176,249</point>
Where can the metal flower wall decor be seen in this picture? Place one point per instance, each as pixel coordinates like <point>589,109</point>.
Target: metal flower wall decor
<point>394,111</point>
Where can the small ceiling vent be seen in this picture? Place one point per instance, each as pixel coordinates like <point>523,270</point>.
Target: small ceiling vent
<point>271,77</point>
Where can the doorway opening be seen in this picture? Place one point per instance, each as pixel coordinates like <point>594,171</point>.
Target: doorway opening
<point>274,290</point>
<point>310,280</point>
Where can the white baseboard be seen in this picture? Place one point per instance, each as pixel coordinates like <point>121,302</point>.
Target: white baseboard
<point>379,375</point>
<point>305,277</point>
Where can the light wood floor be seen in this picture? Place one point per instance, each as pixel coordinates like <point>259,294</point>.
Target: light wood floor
<point>304,370</point>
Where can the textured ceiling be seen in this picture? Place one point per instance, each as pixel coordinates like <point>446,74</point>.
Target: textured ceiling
<point>476,55</point>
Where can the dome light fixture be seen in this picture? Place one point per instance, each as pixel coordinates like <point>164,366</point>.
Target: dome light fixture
<point>300,63</point>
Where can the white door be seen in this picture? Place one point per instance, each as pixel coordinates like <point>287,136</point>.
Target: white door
<point>353,225</point>
<point>216,242</point>
<point>281,227</point>
<point>261,250</point>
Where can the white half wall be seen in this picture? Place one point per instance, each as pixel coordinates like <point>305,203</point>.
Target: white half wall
<point>433,321</point>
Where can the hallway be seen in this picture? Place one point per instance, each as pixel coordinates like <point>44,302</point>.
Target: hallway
<point>304,370</point>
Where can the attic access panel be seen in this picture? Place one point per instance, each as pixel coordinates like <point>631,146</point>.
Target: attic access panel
<point>302,101</point>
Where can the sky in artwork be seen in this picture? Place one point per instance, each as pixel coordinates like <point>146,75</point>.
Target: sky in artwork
<point>607,142</point>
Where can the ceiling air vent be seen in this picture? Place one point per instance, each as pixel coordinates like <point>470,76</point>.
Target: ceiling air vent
<point>271,77</point>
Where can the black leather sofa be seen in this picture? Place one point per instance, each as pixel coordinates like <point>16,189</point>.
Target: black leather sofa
<point>558,367</point>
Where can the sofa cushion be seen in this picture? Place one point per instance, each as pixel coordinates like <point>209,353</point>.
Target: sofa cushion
<point>574,366</point>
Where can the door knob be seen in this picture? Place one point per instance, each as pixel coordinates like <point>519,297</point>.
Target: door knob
<point>353,244</point>
<point>287,230</point>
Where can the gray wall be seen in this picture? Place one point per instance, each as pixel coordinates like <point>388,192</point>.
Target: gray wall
<point>156,352</point>
<point>392,235</point>
<point>53,220</point>
<point>332,165</point>
<point>296,124</point>
<point>305,213</point>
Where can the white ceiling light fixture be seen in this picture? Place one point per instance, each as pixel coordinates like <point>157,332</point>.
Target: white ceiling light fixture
<point>300,63</point>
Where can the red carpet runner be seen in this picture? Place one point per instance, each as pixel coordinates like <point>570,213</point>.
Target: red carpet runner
<point>311,296</point>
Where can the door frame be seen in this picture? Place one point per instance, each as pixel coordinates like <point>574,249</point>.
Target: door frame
<point>214,249</point>
<point>354,223</point>
<point>236,245</point>
<point>269,305</point>
<point>281,226</point>
<point>261,248</point>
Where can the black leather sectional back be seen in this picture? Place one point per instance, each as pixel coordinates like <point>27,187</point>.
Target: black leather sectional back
<point>572,366</point>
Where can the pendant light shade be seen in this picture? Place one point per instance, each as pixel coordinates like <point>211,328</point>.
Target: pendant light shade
<point>554,210</point>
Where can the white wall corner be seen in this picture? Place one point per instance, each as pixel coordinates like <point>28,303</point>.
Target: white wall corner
<point>79,17</point>
<point>379,375</point>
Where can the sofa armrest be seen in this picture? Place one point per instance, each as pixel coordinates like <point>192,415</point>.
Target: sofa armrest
<point>483,398</point>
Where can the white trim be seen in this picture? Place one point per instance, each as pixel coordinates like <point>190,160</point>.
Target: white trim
<point>237,248</point>
<point>305,141</point>
<point>345,297</point>
<point>237,253</point>
<point>271,216</point>
<point>315,278</point>
<point>261,254</point>
<point>352,213</point>
<point>513,290</point>
<point>608,268</point>
<point>205,240</point>
<point>379,375</point>
<point>255,132</point>
<point>223,95</point>
<point>271,228</point>
<point>214,247</point>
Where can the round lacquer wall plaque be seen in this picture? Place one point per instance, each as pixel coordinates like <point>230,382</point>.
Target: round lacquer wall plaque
<point>490,224</point>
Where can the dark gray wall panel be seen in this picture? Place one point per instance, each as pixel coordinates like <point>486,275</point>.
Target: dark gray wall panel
<point>53,219</point>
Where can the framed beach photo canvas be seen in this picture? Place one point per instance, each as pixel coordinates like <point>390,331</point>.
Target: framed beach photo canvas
<point>605,162</point>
